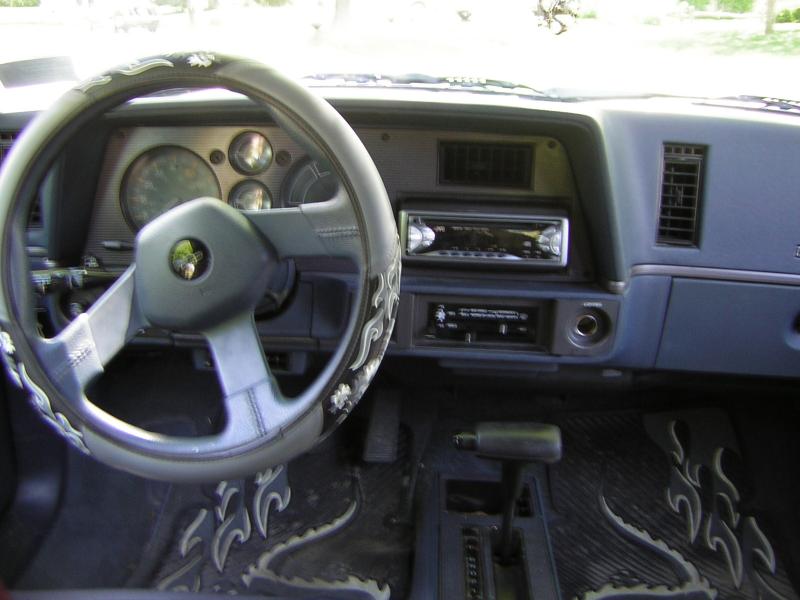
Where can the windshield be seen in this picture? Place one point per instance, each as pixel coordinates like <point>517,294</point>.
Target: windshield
<point>697,48</point>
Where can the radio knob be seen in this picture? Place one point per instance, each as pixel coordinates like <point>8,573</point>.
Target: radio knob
<point>418,237</point>
<point>549,241</point>
<point>413,238</point>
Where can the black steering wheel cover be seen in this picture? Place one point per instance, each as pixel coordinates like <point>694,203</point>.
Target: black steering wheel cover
<point>350,370</point>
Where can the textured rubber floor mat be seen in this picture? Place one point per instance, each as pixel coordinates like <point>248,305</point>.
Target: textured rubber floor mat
<point>317,529</point>
<point>657,506</point>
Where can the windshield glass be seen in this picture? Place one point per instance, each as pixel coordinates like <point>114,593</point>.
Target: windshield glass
<point>564,47</point>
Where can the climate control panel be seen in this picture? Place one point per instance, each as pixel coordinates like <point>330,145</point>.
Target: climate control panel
<point>483,323</point>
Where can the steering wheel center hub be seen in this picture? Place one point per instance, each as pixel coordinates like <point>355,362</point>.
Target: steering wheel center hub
<point>217,266</point>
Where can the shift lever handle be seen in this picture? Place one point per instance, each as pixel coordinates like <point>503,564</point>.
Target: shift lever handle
<point>515,444</point>
<point>524,442</point>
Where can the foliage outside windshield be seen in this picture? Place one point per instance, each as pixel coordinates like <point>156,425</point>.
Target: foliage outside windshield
<point>691,47</point>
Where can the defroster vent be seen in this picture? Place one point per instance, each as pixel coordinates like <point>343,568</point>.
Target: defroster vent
<point>681,194</point>
<point>485,164</point>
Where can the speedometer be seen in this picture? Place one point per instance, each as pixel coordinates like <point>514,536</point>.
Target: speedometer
<point>162,178</point>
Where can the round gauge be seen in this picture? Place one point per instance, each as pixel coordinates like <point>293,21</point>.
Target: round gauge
<point>162,178</point>
<point>307,182</point>
<point>250,153</point>
<point>250,195</point>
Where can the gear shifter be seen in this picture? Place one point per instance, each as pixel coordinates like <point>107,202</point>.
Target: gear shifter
<point>515,445</point>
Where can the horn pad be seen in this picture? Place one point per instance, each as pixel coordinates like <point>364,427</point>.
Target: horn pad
<point>200,264</point>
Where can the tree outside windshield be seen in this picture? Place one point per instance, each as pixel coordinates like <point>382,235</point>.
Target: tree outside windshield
<point>691,47</point>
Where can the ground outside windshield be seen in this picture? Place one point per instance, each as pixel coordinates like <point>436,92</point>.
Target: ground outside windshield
<point>692,47</point>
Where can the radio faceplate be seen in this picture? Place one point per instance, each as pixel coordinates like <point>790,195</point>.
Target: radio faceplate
<point>508,239</point>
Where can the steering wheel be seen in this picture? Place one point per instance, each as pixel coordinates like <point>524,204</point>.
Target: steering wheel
<point>203,267</point>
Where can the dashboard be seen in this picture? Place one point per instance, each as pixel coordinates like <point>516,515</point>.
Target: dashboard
<point>537,237</point>
<point>147,170</point>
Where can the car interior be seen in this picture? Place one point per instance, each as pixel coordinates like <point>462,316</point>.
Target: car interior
<point>270,339</point>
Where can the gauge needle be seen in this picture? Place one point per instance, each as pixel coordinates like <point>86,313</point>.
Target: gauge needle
<point>172,204</point>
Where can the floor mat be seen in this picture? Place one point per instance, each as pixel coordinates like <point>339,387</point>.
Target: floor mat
<point>105,518</point>
<point>658,506</point>
<point>306,530</point>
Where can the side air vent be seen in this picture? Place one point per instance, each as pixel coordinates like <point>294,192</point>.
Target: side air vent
<point>681,195</point>
<point>35,216</point>
<point>6,140</point>
<point>480,164</point>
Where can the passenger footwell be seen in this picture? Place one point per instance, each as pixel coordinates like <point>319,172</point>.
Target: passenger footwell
<point>659,506</point>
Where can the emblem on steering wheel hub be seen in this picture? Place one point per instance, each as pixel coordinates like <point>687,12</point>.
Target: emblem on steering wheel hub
<point>189,259</point>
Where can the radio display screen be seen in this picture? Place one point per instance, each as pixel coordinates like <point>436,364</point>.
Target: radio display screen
<point>518,239</point>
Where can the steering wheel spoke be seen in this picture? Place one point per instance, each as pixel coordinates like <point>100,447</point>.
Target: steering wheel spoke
<point>253,401</point>
<point>321,229</point>
<point>81,351</point>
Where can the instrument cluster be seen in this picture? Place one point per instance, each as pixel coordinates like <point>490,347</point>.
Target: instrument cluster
<point>244,172</point>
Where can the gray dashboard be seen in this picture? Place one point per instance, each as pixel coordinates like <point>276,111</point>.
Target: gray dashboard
<point>731,302</point>
<point>727,303</point>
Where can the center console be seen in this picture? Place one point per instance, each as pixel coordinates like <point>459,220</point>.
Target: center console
<point>497,260</point>
<point>493,274</point>
<point>493,538</point>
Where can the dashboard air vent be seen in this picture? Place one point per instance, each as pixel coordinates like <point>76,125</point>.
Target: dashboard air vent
<point>681,194</point>
<point>482,164</point>
<point>35,216</point>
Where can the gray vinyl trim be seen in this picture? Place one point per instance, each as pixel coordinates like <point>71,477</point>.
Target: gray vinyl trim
<point>717,274</point>
<point>615,287</point>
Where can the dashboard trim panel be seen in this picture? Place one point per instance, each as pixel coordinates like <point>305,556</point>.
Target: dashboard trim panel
<point>717,274</point>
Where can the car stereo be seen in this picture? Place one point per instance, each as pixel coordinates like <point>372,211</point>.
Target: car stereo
<point>530,240</point>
